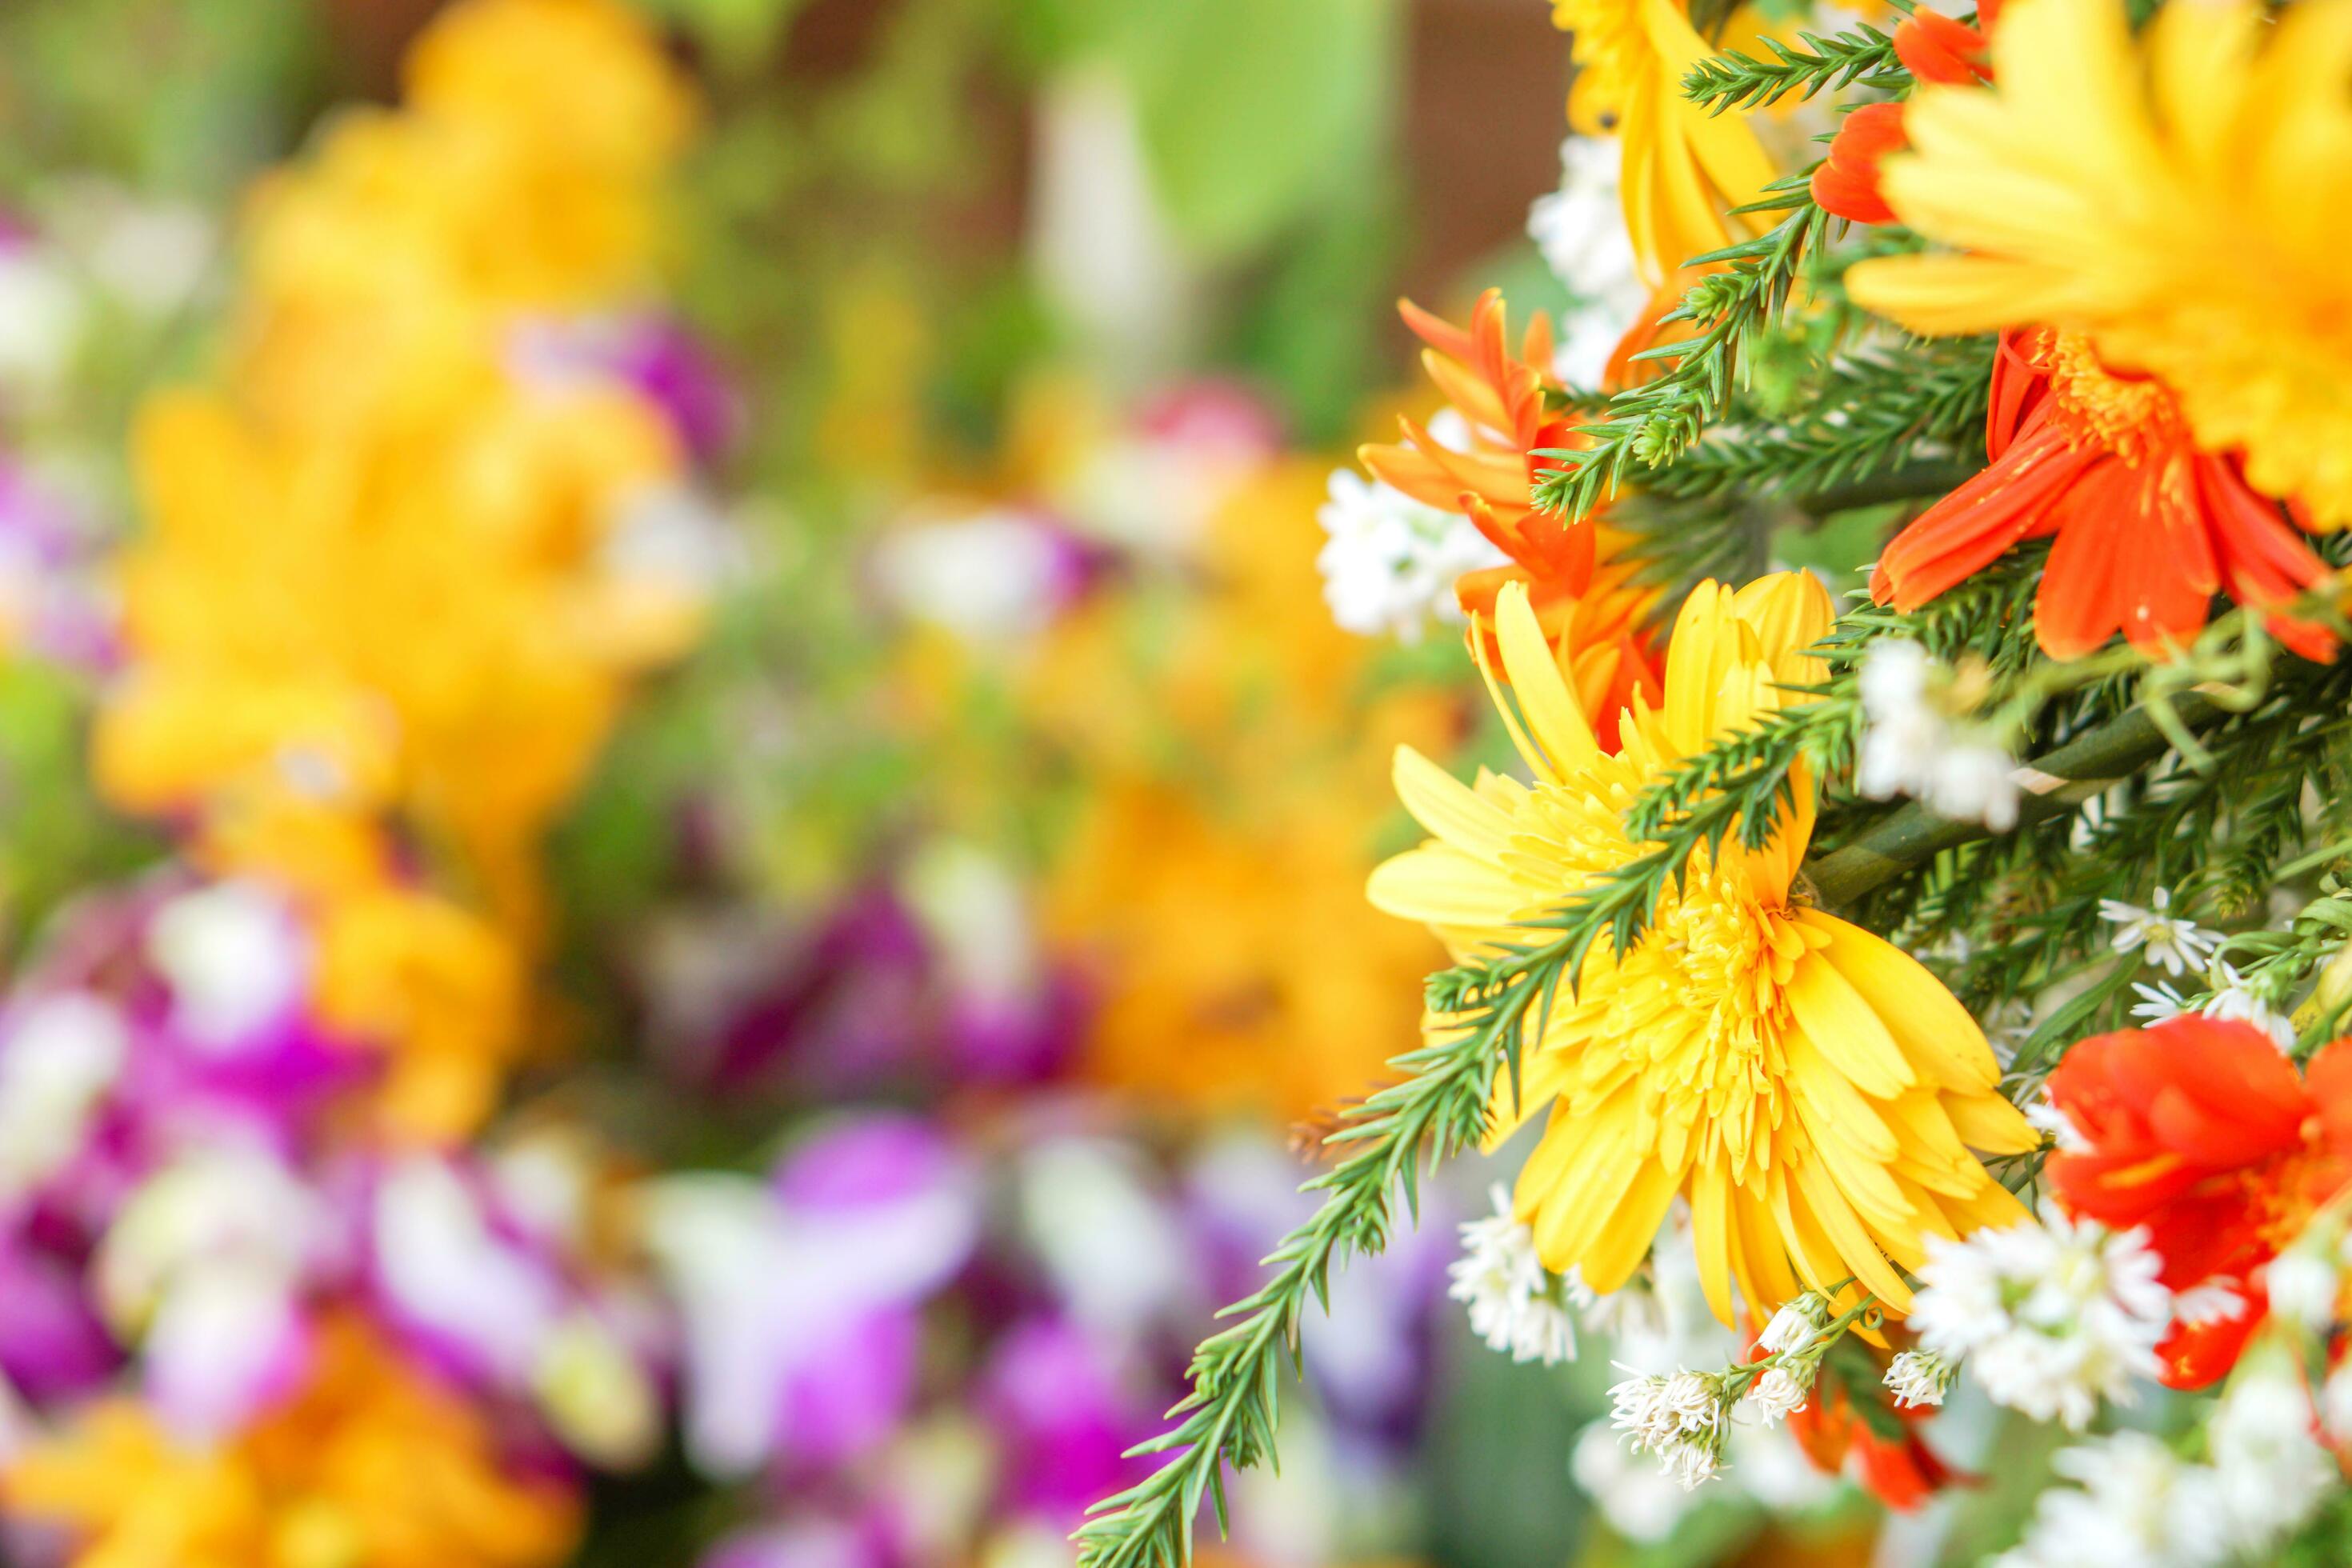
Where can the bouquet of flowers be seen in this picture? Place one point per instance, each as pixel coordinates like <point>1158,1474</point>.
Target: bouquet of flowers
<point>1937,963</point>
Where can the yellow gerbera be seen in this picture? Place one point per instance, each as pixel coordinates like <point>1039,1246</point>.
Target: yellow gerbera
<point>1683,166</point>
<point>2186,200</point>
<point>1811,1089</point>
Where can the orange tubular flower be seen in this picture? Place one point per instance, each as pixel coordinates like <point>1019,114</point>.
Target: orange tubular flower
<point>2200,1130</point>
<point>1937,50</point>
<point>1590,611</point>
<point>2147,527</point>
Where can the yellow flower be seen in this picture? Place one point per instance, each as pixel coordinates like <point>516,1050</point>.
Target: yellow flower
<point>2186,200</point>
<point>1812,1091</point>
<point>372,1466</point>
<point>1683,166</point>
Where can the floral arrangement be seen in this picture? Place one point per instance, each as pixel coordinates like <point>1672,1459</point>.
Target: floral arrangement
<point>1931,969</point>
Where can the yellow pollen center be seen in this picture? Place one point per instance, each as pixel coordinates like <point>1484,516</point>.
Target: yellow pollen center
<point>2135,417</point>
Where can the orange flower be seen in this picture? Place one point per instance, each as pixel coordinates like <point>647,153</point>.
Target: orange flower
<point>2147,527</point>
<point>2200,1130</point>
<point>1935,48</point>
<point>1582,589</point>
<point>1880,1448</point>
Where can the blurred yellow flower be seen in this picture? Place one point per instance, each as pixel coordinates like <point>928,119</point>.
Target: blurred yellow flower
<point>1809,1087</point>
<point>384,562</point>
<point>1229,811</point>
<point>1683,166</point>
<point>2185,199</point>
<point>372,1466</point>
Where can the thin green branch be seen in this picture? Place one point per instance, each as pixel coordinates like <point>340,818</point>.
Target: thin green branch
<point>1735,80</point>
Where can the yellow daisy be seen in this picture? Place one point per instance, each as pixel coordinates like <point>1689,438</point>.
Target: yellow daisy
<point>1812,1090</point>
<point>1683,166</point>
<point>2186,199</point>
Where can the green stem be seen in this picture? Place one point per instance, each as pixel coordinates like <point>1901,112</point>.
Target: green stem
<point>2080,769</point>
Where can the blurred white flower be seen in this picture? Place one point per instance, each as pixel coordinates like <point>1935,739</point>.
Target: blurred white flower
<point>59,1058</point>
<point>1910,747</point>
<point>2271,1471</point>
<point>2050,1318</point>
<point>2173,942</point>
<point>440,1263</point>
<point>233,957</point>
<point>988,579</point>
<point>1580,229</point>
<point>2132,1507</point>
<point>2304,1284</point>
<point>1389,563</point>
<point>1639,1501</point>
<point>1514,1305</point>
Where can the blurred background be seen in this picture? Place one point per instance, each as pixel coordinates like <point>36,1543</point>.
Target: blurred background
<point>681,824</point>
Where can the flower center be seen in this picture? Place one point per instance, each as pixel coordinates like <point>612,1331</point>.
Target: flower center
<point>2135,417</point>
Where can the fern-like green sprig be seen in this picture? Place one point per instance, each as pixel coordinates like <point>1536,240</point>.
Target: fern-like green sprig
<point>1649,427</point>
<point>1734,80</point>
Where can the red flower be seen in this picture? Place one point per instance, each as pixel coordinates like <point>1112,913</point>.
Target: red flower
<point>1937,50</point>
<point>2147,527</point>
<point>2201,1132</point>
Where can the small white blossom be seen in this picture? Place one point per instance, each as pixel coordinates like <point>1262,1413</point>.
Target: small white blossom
<point>2042,1113</point>
<point>1580,229</point>
<point>2174,944</point>
<point>1796,1325</point>
<point>1920,1378</point>
<point>2233,1001</point>
<point>1512,1304</point>
<point>1909,746</point>
<point>2214,1300</point>
<point>2304,1284</point>
<point>1691,1464</point>
<point>1389,562</point>
<point>2052,1316</point>
<point>1776,1393</point>
<point>1679,1418</point>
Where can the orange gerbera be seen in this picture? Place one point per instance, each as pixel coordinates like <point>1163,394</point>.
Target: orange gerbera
<point>1937,50</point>
<point>1590,611</point>
<point>2147,527</point>
<point>2200,1130</point>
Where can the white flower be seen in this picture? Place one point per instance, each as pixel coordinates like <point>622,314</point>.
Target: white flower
<point>988,579</point>
<point>2052,1316</point>
<point>1638,1408</point>
<point>2128,1511</point>
<point>1910,747</point>
<point>2234,1002</point>
<point>1774,1394</point>
<point>1389,562</point>
<point>2270,1470</point>
<point>2336,1403</point>
<point>1513,1305</point>
<point>2043,1112</point>
<point>1694,1400</point>
<point>234,958</point>
<point>2214,1300</point>
<point>2303,1285</point>
<point>2173,943</point>
<point>1920,1378</point>
<point>60,1056</point>
<point>1796,1325</point>
<point>1638,1500</point>
<point>1690,1465</point>
<point>1580,229</point>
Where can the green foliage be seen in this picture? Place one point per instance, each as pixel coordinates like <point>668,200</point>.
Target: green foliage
<point>1734,80</point>
<point>1651,427</point>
